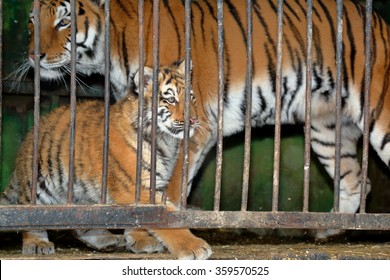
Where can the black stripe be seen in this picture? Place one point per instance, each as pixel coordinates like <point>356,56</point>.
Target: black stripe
<point>351,39</point>
<point>125,53</point>
<point>385,140</point>
<point>322,143</point>
<point>271,69</point>
<point>265,26</point>
<point>233,11</point>
<point>175,26</point>
<point>211,10</point>
<point>342,176</point>
<point>201,20</point>
<point>331,24</point>
<point>286,3</point>
<point>122,7</point>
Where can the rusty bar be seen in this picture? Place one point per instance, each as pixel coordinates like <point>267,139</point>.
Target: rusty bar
<point>156,41</point>
<point>367,84</point>
<point>1,75</point>
<point>309,70</point>
<point>20,217</point>
<point>184,182</point>
<point>37,92</point>
<point>106,99</point>
<point>80,216</point>
<point>249,219</point>
<point>140,100</point>
<point>248,113</point>
<point>339,85</point>
<point>72,99</point>
<point>221,85</point>
<point>278,105</point>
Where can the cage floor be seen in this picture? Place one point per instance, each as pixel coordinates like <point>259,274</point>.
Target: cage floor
<point>228,244</point>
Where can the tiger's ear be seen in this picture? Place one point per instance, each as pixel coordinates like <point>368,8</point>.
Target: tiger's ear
<point>148,75</point>
<point>99,2</point>
<point>181,65</point>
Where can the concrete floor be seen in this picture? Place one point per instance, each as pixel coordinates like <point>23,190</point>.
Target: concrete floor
<point>228,244</point>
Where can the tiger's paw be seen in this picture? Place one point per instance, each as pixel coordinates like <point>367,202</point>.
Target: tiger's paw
<point>183,244</point>
<point>140,241</point>
<point>194,249</point>
<point>38,248</point>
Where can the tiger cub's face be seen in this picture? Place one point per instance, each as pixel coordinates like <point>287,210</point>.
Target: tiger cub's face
<point>171,100</point>
<point>55,38</point>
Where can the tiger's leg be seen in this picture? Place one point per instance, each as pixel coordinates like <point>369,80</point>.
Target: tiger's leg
<point>323,145</point>
<point>181,242</point>
<point>100,238</point>
<point>36,242</point>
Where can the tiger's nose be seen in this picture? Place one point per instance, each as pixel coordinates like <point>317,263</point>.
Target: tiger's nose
<point>32,56</point>
<point>193,120</point>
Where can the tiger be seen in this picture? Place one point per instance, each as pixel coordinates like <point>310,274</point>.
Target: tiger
<point>124,55</point>
<point>54,154</point>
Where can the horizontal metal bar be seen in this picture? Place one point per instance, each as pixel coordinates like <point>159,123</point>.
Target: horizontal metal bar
<point>81,216</point>
<point>104,216</point>
<point>247,219</point>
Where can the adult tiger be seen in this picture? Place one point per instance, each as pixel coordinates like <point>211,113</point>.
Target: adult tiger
<point>55,38</point>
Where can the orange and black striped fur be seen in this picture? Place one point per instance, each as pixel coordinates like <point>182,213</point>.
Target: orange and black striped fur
<point>53,169</point>
<point>204,47</point>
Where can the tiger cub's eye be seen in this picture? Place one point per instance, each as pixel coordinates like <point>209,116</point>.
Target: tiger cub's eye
<point>170,100</point>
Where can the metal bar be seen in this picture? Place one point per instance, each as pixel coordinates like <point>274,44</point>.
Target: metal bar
<point>339,85</point>
<point>281,219</point>
<point>184,182</point>
<point>221,86</point>
<point>37,89</point>
<point>81,216</point>
<point>1,77</point>
<point>367,120</point>
<point>140,100</point>
<point>156,41</point>
<point>248,115</point>
<point>72,100</point>
<point>309,70</point>
<point>22,217</point>
<point>278,106</point>
<point>106,99</point>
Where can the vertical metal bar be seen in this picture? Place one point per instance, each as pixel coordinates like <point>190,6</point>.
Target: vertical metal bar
<point>106,99</point>
<point>156,41</point>
<point>339,85</point>
<point>221,86</point>
<point>72,100</point>
<point>184,182</point>
<point>37,92</point>
<point>306,165</point>
<point>248,116</point>
<point>140,100</point>
<point>278,105</point>
<point>367,85</point>
<point>1,76</point>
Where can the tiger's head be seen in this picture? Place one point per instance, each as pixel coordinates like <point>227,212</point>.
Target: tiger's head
<point>171,99</point>
<point>55,38</point>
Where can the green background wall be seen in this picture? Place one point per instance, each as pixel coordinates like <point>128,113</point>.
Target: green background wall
<point>17,118</point>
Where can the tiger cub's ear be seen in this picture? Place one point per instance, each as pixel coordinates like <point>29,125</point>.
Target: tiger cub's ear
<point>148,75</point>
<point>99,2</point>
<point>181,65</point>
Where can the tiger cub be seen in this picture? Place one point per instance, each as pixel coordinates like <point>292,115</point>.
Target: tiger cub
<point>53,169</point>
